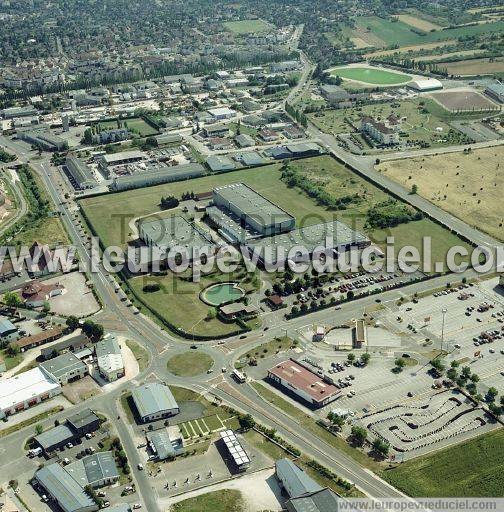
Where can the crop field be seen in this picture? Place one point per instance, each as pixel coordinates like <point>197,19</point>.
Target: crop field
<point>417,124</point>
<point>463,100</point>
<point>449,55</point>
<point>247,26</point>
<point>391,32</point>
<point>136,124</point>
<point>474,66</point>
<point>373,76</point>
<point>467,185</point>
<point>417,22</point>
<point>470,469</point>
<point>406,49</point>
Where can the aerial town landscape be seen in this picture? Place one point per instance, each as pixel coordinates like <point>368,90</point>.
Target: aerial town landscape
<point>251,255</point>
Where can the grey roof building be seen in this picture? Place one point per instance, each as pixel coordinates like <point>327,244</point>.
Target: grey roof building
<point>7,327</point>
<point>250,158</point>
<point>174,231</point>
<point>331,235</point>
<point>334,93</point>
<point>80,173</point>
<point>95,470</point>
<point>121,507</point>
<point>154,401</point>
<point>220,163</point>
<point>109,358</point>
<point>253,209</point>
<point>294,480</point>
<point>84,421</point>
<point>64,368</point>
<point>157,175</point>
<point>243,140</point>
<point>55,438</point>
<point>60,485</point>
<point>324,500</point>
<point>73,343</point>
<point>161,444</point>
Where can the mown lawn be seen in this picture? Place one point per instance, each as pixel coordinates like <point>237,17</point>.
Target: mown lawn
<point>226,500</point>
<point>471,469</point>
<point>141,355</point>
<point>190,363</point>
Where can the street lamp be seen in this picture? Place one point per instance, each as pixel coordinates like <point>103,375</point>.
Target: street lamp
<point>444,311</point>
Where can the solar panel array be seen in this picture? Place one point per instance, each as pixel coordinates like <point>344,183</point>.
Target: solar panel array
<point>235,448</point>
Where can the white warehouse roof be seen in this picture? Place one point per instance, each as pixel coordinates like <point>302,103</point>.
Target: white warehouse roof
<point>425,84</point>
<point>23,387</point>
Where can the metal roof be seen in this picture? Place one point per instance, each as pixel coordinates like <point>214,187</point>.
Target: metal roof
<point>220,163</point>
<point>329,235</point>
<point>295,480</point>
<point>153,398</point>
<point>57,435</point>
<point>324,500</point>
<point>108,354</point>
<point>174,231</point>
<point>6,327</point>
<point>83,418</point>
<point>161,443</point>
<point>93,469</point>
<point>251,204</point>
<point>80,172</point>
<point>64,489</point>
<point>63,364</point>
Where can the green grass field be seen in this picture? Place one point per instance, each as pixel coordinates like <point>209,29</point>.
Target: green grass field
<point>247,26</point>
<point>141,355</point>
<point>189,364</point>
<point>226,500</point>
<point>471,469</point>
<point>371,76</point>
<point>178,301</point>
<point>136,124</point>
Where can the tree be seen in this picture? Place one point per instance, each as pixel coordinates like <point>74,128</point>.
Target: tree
<point>211,314</point>
<point>11,299</point>
<point>451,374</point>
<point>364,358</point>
<point>247,422</point>
<point>39,429</point>
<point>351,357</point>
<point>491,394</point>
<point>400,363</point>
<point>381,447</point>
<point>438,365</point>
<point>72,322</point>
<point>93,330</point>
<point>359,434</point>
<point>46,307</point>
<point>13,350</point>
<point>414,189</point>
<point>336,420</point>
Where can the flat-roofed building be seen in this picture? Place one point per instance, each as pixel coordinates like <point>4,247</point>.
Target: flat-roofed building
<point>154,401</point>
<point>244,140</point>
<point>174,231</point>
<point>496,91</point>
<point>71,344</point>
<point>250,158</point>
<point>303,383</point>
<point>121,158</point>
<point>64,368</point>
<point>158,175</point>
<point>96,470</point>
<point>234,447</point>
<point>80,174</point>
<point>333,236</point>
<point>323,500</point>
<point>84,422</point>
<point>55,438</point>
<point>253,209</point>
<point>219,163</point>
<point>109,358</point>
<point>222,113</point>
<point>334,93</point>
<point>64,489</point>
<point>26,390</point>
<point>216,130</point>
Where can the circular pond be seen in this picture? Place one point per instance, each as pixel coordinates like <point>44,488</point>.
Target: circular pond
<point>221,293</point>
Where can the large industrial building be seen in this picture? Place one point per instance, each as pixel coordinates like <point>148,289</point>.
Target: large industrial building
<point>154,401</point>
<point>252,209</point>
<point>280,249</point>
<point>26,390</point>
<point>303,383</point>
<point>80,174</point>
<point>174,231</point>
<point>96,470</point>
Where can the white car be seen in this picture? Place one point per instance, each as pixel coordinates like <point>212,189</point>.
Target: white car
<point>140,467</point>
<point>137,506</point>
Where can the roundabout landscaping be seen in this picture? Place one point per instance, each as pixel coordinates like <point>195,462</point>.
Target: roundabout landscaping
<point>189,364</point>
